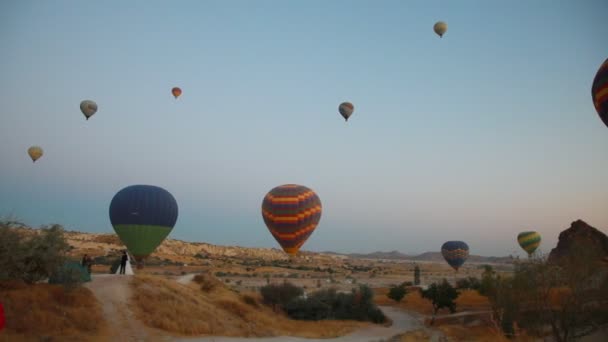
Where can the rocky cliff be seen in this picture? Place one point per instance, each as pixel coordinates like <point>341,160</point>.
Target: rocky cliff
<point>580,235</point>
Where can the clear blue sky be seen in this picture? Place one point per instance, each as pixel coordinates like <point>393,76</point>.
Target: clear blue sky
<point>477,136</point>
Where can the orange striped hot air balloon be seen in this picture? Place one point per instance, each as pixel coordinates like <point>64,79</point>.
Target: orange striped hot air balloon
<point>291,213</point>
<point>176,91</point>
<point>599,92</point>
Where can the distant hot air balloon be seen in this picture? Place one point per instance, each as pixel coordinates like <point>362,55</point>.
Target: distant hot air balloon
<point>143,216</point>
<point>88,108</point>
<point>599,92</point>
<point>35,152</point>
<point>455,253</point>
<point>529,241</point>
<point>346,109</point>
<point>291,213</point>
<point>176,91</point>
<point>440,28</point>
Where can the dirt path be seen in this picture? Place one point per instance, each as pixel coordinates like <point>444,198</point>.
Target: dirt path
<point>402,322</point>
<point>113,292</point>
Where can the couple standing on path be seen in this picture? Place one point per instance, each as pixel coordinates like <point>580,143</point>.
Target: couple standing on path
<point>123,262</point>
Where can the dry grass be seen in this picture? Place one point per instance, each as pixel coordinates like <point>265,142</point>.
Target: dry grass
<point>43,310</point>
<point>412,301</point>
<point>188,310</point>
<point>471,300</point>
<point>415,336</point>
<point>468,300</point>
<point>481,334</point>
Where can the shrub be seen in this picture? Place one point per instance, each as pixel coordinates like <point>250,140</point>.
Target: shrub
<point>208,283</point>
<point>469,283</point>
<point>397,293</point>
<point>417,275</point>
<point>249,300</point>
<point>441,295</point>
<point>329,304</point>
<point>33,258</point>
<point>280,295</point>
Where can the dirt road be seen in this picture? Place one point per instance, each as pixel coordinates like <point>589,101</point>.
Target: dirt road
<point>113,292</point>
<point>402,322</point>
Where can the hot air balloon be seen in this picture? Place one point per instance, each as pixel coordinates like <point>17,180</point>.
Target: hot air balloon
<point>176,91</point>
<point>529,241</point>
<point>440,28</point>
<point>455,253</point>
<point>143,216</point>
<point>35,152</point>
<point>88,108</point>
<point>291,213</point>
<point>346,109</point>
<point>599,92</point>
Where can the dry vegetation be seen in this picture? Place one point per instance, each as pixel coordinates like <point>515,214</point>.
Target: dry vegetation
<point>468,300</point>
<point>478,333</point>
<point>208,307</point>
<point>43,310</point>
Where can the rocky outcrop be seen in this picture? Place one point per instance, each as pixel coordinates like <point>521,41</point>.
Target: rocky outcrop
<point>580,235</point>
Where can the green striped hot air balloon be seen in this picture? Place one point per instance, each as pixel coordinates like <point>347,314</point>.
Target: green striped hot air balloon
<point>529,241</point>
<point>143,216</point>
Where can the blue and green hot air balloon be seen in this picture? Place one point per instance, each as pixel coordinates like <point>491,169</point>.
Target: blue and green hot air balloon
<point>455,253</point>
<point>143,216</point>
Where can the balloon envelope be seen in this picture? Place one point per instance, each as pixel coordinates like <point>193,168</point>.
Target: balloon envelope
<point>346,109</point>
<point>529,241</point>
<point>440,28</point>
<point>291,213</point>
<point>455,253</point>
<point>143,216</point>
<point>176,92</point>
<point>35,152</point>
<point>88,108</point>
<point>599,92</point>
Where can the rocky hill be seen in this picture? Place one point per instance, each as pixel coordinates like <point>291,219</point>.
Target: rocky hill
<point>192,252</point>
<point>427,256</point>
<point>580,235</point>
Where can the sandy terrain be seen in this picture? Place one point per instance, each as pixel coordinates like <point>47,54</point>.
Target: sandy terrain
<point>113,291</point>
<point>402,322</point>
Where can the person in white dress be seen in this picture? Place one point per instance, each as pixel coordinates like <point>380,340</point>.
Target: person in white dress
<point>125,265</point>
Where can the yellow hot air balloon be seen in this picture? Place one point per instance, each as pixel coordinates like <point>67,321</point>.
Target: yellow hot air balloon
<point>529,241</point>
<point>35,152</point>
<point>440,28</point>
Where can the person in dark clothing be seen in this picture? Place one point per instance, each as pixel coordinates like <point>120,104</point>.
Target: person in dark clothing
<point>89,264</point>
<point>84,261</point>
<point>123,262</point>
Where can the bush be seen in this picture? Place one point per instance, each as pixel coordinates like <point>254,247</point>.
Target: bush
<point>397,293</point>
<point>441,295</point>
<point>280,295</point>
<point>31,258</point>
<point>249,300</point>
<point>208,283</point>
<point>417,275</point>
<point>329,304</point>
<point>469,283</point>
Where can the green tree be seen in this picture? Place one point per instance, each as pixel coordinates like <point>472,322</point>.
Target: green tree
<point>31,258</point>
<point>441,295</point>
<point>416,275</point>
<point>278,295</point>
<point>397,292</point>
